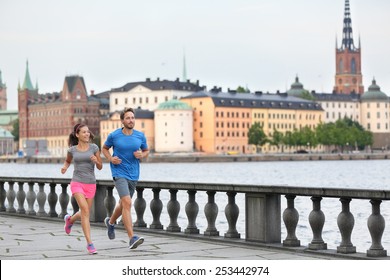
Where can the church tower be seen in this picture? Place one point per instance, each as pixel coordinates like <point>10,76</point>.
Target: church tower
<point>348,78</point>
<point>26,93</point>
<point>3,95</point>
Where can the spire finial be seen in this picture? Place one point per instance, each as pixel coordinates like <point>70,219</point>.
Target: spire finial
<point>347,42</point>
<point>184,78</point>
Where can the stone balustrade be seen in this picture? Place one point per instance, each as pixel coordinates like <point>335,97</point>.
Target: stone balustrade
<point>49,197</point>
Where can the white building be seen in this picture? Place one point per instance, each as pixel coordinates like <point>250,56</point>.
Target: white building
<point>149,94</point>
<point>173,124</point>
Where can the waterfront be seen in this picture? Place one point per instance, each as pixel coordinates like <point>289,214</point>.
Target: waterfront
<point>371,174</point>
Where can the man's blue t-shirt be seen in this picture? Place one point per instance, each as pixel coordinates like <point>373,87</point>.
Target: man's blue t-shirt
<point>123,147</point>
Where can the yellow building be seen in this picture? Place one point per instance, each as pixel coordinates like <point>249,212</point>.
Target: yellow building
<point>144,122</point>
<point>222,120</point>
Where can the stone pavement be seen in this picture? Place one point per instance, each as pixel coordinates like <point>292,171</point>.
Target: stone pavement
<point>25,238</point>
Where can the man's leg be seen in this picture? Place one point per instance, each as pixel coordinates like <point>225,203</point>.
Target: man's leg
<point>126,215</point>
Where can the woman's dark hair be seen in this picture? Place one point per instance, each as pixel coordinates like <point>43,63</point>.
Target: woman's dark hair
<point>73,140</point>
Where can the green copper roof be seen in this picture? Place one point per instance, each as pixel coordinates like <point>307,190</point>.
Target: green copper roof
<point>27,84</point>
<point>374,93</point>
<point>5,133</point>
<point>174,104</point>
<point>296,89</point>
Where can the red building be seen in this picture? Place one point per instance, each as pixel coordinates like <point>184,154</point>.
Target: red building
<point>46,120</point>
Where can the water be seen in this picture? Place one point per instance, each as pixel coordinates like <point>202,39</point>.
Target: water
<point>370,174</point>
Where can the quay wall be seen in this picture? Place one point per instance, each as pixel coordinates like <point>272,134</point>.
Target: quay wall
<point>155,158</point>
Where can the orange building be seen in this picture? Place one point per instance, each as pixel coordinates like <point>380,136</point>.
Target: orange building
<point>222,120</point>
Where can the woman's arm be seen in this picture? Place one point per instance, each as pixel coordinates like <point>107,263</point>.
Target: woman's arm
<point>67,162</point>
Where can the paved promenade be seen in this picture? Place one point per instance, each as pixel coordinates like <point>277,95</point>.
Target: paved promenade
<point>45,239</point>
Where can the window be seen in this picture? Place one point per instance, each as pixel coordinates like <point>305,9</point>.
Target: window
<point>353,66</point>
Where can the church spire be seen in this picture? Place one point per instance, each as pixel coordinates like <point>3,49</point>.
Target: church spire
<point>27,84</point>
<point>1,82</point>
<point>184,78</point>
<point>347,42</point>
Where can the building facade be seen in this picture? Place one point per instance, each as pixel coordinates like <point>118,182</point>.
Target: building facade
<point>50,118</point>
<point>173,127</point>
<point>222,120</point>
<point>149,94</point>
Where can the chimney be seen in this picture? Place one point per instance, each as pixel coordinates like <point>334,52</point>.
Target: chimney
<point>92,92</point>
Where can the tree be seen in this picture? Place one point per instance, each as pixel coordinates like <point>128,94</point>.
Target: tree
<point>277,138</point>
<point>256,135</point>
<point>15,130</point>
<point>241,89</point>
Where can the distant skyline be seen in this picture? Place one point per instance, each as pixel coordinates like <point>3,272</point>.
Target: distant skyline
<point>259,44</point>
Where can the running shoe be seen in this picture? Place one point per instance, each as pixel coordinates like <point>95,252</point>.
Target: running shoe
<point>68,224</point>
<point>91,249</point>
<point>135,241</point>
<point>110,228</point>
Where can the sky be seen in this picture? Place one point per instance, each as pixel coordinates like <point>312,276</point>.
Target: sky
<point>259,44</point>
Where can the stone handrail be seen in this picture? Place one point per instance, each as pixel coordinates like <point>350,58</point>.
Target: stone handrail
<point>263,213</point>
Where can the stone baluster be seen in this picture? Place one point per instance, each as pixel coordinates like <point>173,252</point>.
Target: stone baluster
<point>345,222</point>
<point>291,218</point>
<point>173,208</point>
<point>156,207</point>
<point>64,200</point>
<point>52,199</point>
<point>211,213</point>
<point>11,195</point>
<point>317,221</point>
<point>21,197</point>
<point>192,210</point>
<point>31,198</point>
<point>41,199</point>
<point>140,207</point>
<point>109,201</point>
<point>3,196</point>
<point>376,226</point>
<point>231,212</point>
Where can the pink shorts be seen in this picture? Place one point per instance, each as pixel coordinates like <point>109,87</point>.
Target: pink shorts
<point>88,190</point>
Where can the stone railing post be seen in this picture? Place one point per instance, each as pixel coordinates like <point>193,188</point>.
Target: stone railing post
<point>52,199</point>
<point>345,222</point>
<point>41,199</point>
<point>231,212</point>
<point>156,207</point>
<point>291,218</point>
<point>109,201</point>
<point>211,213</point>
<point>317,221</point>
<point>21,197</point>
<point>31,198</point>
<point>173,208</point>
<point>376,226</point>
<point>98,212</point>
<point>3,196</point>
<point>140,207</point>
<point>263,217</point>
<point>11,195</point>
<point>64,200</point>
<point>192,210</point>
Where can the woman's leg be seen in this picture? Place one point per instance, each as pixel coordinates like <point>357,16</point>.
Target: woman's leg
<point>85,205</point>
